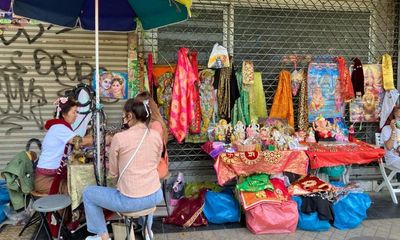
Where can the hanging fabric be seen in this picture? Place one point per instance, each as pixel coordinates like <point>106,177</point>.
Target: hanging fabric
<point>387,72</point>
<point>248,72</point>
<point>282,106</point>
<point>150,72</point>
<point>296,78</point>
<point>345,84</point>
<point>182,104</point>
<point>195,123</point>
<point>227,92</point>
<point>258,106</point>
<point>241,108</point>
<point>357,77</point>
<point>389,101</point>
<point>303,105</point>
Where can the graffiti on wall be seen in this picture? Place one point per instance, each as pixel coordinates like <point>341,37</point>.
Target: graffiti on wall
<point>23,98</point>
<point>17,92</point>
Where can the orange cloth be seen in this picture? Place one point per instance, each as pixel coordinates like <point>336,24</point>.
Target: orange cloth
<point>160,70</point>
<point>230,165</point>
<point>282,107</point>
<point>280,193</point>
<point>141,177</point>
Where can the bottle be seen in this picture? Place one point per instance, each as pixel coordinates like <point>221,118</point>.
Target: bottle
<point>351,134</point>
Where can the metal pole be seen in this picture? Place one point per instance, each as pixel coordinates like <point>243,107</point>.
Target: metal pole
<point>98,154</point>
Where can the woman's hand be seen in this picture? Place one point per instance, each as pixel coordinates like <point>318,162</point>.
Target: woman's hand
<point>393,125</point>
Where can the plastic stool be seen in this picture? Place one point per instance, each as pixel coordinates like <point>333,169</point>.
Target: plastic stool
<point>49,204</point>
<point>129,217</point>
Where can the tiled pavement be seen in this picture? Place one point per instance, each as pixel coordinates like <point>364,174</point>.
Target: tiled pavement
<point>383,223</point>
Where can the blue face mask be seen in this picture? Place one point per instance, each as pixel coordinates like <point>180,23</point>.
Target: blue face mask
<point>398,124</point>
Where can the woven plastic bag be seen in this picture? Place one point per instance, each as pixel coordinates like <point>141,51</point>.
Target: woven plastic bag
<point>273,218</point>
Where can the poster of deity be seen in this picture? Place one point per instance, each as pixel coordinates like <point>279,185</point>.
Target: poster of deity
<point>367,107</point>
<point>324,97</point>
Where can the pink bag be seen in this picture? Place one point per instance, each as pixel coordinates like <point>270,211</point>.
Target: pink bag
<point>273,218</point>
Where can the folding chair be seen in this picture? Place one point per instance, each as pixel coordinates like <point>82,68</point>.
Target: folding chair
<point>393,187</point>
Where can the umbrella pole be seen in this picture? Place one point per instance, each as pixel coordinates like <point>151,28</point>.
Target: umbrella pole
<point>98,106</point>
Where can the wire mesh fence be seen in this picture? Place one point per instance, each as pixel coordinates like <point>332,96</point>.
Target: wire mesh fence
<point>267,32</point>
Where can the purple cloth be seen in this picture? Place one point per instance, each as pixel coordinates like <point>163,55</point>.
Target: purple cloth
<point>5,5</point>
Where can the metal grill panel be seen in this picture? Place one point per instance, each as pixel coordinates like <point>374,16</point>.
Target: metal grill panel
<point>267,31</point>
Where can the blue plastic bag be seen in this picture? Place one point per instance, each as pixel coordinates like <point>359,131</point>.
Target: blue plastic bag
<point>4,195</point>
<point>351,210</point>
<point>3,215</point>
<point>221,207</point>
<point>310,222</point>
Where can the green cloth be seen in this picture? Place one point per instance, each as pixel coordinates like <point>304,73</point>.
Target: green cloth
<point>335,171</point>
<point>241,108</point>
<point>255,183</point>
<point>192,189</point>
<point>19,178</point>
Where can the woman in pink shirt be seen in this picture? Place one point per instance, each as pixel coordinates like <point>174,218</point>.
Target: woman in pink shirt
<point>134,157</point>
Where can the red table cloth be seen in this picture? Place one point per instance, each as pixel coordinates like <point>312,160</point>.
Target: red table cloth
<point>230,165</point>
<point>330,155</point>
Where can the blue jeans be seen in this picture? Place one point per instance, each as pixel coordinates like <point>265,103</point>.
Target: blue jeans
<point>95,198</point>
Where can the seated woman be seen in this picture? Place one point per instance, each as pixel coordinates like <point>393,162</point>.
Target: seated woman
<point>134,157</point>
<point>50,174</point>
<point>390,137</point>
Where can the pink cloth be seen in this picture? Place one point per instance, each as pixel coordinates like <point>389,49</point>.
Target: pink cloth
<point>182,104</point>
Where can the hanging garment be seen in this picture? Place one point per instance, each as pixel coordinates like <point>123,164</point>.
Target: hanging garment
<point>182,104</point>
<point>227,92</point>
<point>296,79</point>
<point>258,98</point>
<point>150,72</point>
<point>389,101</point>
<point>241,108</point>
<point>195,123</point>
<point>282,106</point>
<point>387,72</point>
<point>303,105</point>
<point>164,93</point>
<point>345,85</point>
<point>248,72</point>
<point>357,77</point>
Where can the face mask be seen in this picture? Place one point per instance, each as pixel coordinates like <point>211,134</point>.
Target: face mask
<point>398,124</point>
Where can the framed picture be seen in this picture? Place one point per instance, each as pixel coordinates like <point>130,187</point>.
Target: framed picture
<point>113,85</point>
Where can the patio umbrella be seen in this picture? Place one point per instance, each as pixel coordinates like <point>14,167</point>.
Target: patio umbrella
<point>100,15</point>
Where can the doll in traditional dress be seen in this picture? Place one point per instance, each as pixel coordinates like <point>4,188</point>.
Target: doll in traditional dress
<point>322,127</point>
<point>240,131</point>
<point>220,130</point>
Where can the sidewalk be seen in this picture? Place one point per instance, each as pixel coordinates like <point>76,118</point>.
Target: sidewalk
<point>383,223</point>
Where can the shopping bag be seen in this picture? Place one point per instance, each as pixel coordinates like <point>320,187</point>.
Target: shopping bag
<point>273,218</point>
<point>219,57</point>
<point>4,195</point>
<point>351,210</point>
<point>221,207</point>
<point>310,222</point>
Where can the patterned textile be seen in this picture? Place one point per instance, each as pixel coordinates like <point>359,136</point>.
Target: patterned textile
<point>164,92</point>
<point>182,105</point>
<point>248,72</point>
<point>357,77</point>
<point>335,155</point>
<point>309,184</point>
<point>79,177</point>
<point>278,195</point>
<point>302,117</point>
<point>345,84</point>
<point>255,183</point>
<point>223,93</point>
<point>387,72</point>
<point>230,165</point>
<point>195,123</point>
<point>282,106</point>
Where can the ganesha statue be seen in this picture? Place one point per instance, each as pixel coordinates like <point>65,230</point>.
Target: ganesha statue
<point>221,129</point>
<point>322,127</point>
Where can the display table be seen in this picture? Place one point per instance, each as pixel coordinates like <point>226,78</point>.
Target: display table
<point>79,176</point>
<point>230,165</point>
<point>330,155</point>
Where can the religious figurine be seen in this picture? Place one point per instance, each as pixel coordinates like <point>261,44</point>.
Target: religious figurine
<point>77,155</point>
<point>240,131</point>
<point>253,129</point>
<point>228,135</point>
<point>322,127</point>
<point>220,130</point>
<point>264,134</point>
<point>310,136</point>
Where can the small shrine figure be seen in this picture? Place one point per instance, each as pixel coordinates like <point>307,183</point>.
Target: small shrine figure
<point>253,129</point>
<point>322,127</point>
<point>310,136</point>
<point>220,130</point>
<point>240,131</point>
<point>228,135</point>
